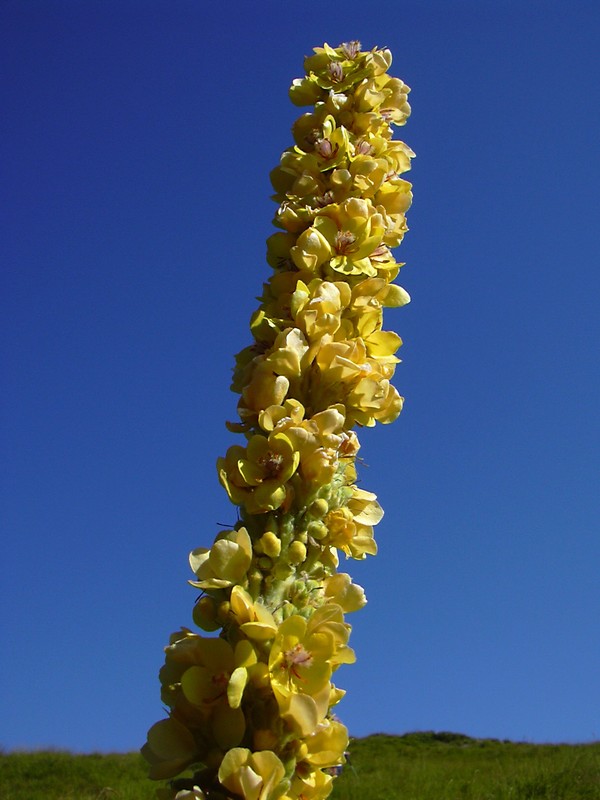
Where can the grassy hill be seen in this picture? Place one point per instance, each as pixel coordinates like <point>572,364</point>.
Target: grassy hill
<point>447,766</point>
<point>417,766</point>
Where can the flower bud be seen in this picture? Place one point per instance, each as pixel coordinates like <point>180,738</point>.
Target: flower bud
<point>317,529</point>
<point>205,614</point>
<point>270,544</point>
<point>223,611</point>
<point>297,552</point>
<point>319,508</point>
<point>282,570</point>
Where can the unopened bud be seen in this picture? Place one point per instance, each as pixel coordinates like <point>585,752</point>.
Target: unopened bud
<point>270,544</point>
<point>265,563</point>
<point>282,571</point>
<point>317,529</point>
<point>223,611</point>
<point>297,552</point>
<point>319,508</point>
<point>205,614</point>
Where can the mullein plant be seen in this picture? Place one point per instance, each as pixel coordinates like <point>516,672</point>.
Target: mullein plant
<point>251,699</point>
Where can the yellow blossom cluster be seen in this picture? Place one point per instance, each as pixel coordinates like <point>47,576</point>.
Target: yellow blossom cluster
<point>250,700</point>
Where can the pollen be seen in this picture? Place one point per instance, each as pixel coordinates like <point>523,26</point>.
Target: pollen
<point>297,656</point>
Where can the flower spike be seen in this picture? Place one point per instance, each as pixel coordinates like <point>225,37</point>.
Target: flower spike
<point>250,699</point>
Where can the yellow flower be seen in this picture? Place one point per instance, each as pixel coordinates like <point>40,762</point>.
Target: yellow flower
<point>225,564</point>
<point>343,235</point>
<point>279,416</point>
<point>317,757</point>
<point>253,776</point>
<point>169,749</point>
<point>374,150</point>
<point>273,373</point>
<point>374,399</point>
<point>328,620</point>
<point>395,196</point>
<point>298,175</point>
<point>348,373</point>
<point>350,528</point>
<point>317,307</point>
<point>300,670</point>
<point>310,785</point>
<point>293,216</point>
<point>256,476</point>
<point>385,95</point>
<point>380,345</point>
<point>339,589</point>
<point>377,293</point>
<point>302,659</point>
<point>196,678</point>
<point>368,174</point>
<point>253,618</point>
<point>321,440</point>
<point>278,250</point>
<point>339,68</point>
<point>287,356</point>
<point>318,440</point>
<point>195,685</point>
<point>265,388</point>
<point>328,143</point>
<point>304,92</point>
<point>325,747</point>
<point>275,306</point>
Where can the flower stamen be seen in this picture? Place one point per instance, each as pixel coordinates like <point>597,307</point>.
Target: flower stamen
<point>343,240</point>
<point>336,71</point>
<point>272,463</point>
<point>350,49</point>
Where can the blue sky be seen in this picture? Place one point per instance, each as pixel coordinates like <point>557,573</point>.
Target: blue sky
<point>137,143</point>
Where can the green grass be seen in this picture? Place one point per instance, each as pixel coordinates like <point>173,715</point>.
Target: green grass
<point>418,766</point>
<point>63,776</point>
<point>446,766</point>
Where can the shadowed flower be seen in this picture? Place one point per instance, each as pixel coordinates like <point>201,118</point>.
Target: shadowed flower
<point>169,749</point>
<point>253,776</point>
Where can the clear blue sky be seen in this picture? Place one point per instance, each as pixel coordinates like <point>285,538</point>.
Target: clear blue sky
<point>137,140</point>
